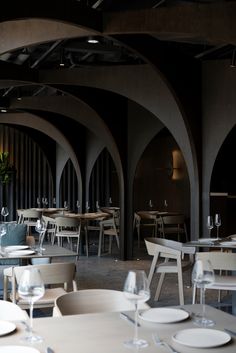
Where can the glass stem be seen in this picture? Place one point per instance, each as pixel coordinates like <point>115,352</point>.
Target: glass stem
<point>31,317</point>
<point>217,229</point>
<point>136,323</point>
<point>203,301</point>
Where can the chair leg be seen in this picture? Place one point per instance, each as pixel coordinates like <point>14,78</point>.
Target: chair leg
<point>181,286</point>
<point>110,243</point>
<point>159,286</point>
<point>100,242</point>
<point>194,294</point>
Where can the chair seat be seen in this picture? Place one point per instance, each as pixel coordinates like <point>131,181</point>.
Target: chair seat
<point>171,267</point>
<point>47,300</point>
<point>67,233</point>
<point>223,282</point>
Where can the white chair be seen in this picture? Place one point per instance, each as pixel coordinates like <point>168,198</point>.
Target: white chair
<point>168,257</point>
<point>223,264</point>
<point>60,274</point>
<point>12,312</point>
<point>110,228</point>
<point>93,301</point>
<point>69,228</point>
<point>50,227</point>
<point>30,217</point>
<point>173,225</point>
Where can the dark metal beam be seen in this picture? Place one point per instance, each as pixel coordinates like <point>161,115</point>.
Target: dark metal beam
<point>46,54</point>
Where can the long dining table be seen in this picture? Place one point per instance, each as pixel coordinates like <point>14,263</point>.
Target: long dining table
<point>106,333</point>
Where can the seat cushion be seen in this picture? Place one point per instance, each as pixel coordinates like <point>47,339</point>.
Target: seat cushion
<point>15,235</point>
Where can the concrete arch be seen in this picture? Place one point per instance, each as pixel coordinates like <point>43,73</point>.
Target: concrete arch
<point>35,122</point>
<point>143,85</point>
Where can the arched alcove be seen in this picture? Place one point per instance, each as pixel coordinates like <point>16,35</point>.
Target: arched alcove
<point>103,185</point>
<point>161,174</point>
<point>69,186</point>
<point>33,172</point>
<point>223,185</point>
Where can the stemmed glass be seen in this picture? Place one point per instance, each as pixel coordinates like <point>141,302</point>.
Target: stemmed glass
<point>110,201</point>
<point>66,207</point>
<point>202,275</point>
<point>31,288</point>
<point>38,202</point>
<point>4,213</point>
<point>3,231</point>
<point>217,223</point>
<point>97,206</point>
<point>40,228</point>
<point>78,205</point>
<point>165,205</point>
<point>210,224</point>
<point>54,202</point>
<point>136,289</point>
<point>150,204</point>
<point>87,207</point>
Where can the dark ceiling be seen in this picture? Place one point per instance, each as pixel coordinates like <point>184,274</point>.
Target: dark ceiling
<point>79,52</point>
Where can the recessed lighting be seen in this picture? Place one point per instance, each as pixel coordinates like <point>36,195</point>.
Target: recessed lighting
<point>92,40</point>
<point>19,98</point>
<point>62,64</point>
<point>3,110</point>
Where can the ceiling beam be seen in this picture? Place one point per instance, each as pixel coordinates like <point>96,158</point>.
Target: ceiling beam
<point>46,53</point>
<point>208,23</point>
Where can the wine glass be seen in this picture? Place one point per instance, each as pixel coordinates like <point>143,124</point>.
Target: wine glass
<point>3,231</point>
<point>150,204</point>
<point>136,289</point>
<point>202,275</point>
<point>78,205</point>
<point>210,224</point>
<point>54,202</point>
<point>165,205</point>
<point>66,207</point>
<point>110,201</point>
<point>40,228</point>
<point>87,207</point>
<point>97,206</point>
<point>45,202</point>
<point>4,213</point>
<point>38,202</point>
<point>31,288</point>
<point>217,223</point>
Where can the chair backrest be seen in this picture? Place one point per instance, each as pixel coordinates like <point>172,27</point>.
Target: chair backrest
<point>219,260</point>
<point>173,220</point>
<point>11,312</point>
<point>31,213</point>
<point>54,273</point>
<point>155,244</point>
<point>64,222</point>
<point>93,301</point>
<point>145,215</point>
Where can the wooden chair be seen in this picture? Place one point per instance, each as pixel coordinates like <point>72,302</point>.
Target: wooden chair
<point>50,227</point>
<point>60,274</point>
<point>69,228</point>
<point>173,225</point>
<point>147,220</point>
<point>30,217</point>
<point>223,264</point>
<point>93,301</point>
<point>168,257</point>
<point>109,227</point>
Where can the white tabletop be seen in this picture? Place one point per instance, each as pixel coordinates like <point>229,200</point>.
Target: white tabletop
<point>105,333</point>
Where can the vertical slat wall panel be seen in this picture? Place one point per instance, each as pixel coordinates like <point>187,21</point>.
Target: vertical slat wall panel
<point>100,188</point>
<point>69,186</point>
<point>33,175</point>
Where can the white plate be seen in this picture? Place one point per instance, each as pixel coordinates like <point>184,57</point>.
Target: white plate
<point>228,243</point>
<point>201,337</point>
<point>164,315</point>
<point>206,240</point>
<point>15,248</point>
<point>6,327</point>
<point>21,252</point>
<point>18,349</point>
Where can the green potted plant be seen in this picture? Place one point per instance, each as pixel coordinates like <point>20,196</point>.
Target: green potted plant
<point>6,171</point>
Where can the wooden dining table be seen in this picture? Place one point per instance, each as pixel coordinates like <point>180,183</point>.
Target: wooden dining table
<point>106,333</point>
